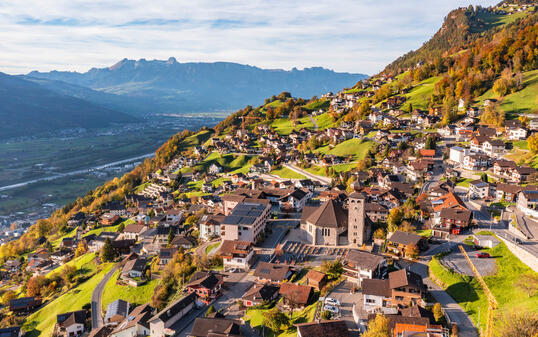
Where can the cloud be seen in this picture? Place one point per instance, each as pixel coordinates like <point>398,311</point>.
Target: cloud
<point>355,36</point>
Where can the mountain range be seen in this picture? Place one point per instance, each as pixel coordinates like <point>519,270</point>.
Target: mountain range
<point>168,86</point>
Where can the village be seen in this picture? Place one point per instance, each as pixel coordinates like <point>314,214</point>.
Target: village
<point>286,223</point>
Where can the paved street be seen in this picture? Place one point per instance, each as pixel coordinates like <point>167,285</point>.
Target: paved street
<point>97,317</point>
<point>343,294</point>
<point>454,311</point>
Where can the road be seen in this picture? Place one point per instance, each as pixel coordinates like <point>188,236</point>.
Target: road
<point>454,311</point>
<point>314,122</point>
<point>97,317</point>
<point>73,173</point>
<point>323,180</point>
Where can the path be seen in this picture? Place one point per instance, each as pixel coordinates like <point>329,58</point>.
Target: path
<point>97,317</point>
<point>454,311</point>
<point>323,180</point>
<point>316,127</point>
<point>72,173</point>
<point>201,250</point>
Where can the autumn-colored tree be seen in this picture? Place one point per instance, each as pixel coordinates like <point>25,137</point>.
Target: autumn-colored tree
<point>275,320</point>
<point>377,327</point>
<point>532,143</point>
<point>394,219</point>
<point>8,296</point>
<point>380,234</point>
<point>517,324</point>
<point>411,251</point>
<point>81,249</point>
<point>437,311</point>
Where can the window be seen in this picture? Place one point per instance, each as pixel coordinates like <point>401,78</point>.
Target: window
<point>369,300</point>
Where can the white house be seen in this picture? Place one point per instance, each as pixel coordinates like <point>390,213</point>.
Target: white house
<point>457,154</point>
<point>478,189</point>
<point>517,133</point>
<point>236,254</point>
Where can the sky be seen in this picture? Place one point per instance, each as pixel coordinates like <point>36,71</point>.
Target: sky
<point>359,36</point>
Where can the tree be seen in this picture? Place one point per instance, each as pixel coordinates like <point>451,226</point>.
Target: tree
<point>380,234</point>
<point>517,324</point>
<point>528,283</point>
<point>275,319</point>
<point>500,87</point>
<point>411,251</point>
<point>8,296</point>
<point>326,315</point>
<point>394,219</point>
<point>170,236</point>
<point>81,249</point>
<point>532,142</point>
<point>378,327</point>
<point>333,269</point>
<point>437,311</point>
<point>484,177</point>
<point>107,252</point>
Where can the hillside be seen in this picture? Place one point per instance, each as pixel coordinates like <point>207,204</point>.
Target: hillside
<point>174,87</point>
<point>29,109</point>
<point>460,27</point>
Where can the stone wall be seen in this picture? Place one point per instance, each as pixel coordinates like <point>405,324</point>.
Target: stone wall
<point>525,257</point>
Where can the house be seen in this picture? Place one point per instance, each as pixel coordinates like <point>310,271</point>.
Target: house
<point>246,222</point>
<point>507,192</point>
<point>403,243</point>
<point>527,202</point>
<point>333,328</point>
<point>14,331</point>
<point>206,285</point>
<point>13,266</point>
<point>236,254</point>
<point>476,162</point>
<point>296,200</point>
<point>316,279</point>
<point>260,294</point>
<point>70,324</point>
<point>62,255</point>
<point>24,304</point>
<point>403,325</point>
<point>502,167</point>
<point>214,169</point>
<point>478,189</point>
<point>134,268</point>
<point>210,226</point>
<point>133,231</point>
<point>296,295</point>
<point>402,288</point>
<point>360,265</point>
<point>136,323</point>
<point>272,273</point>
<point>376,211</point>
<point>165,255</point>
<point>116,312</point>
<point>516,133</point>
<point>182,241</point>
<point>161,325</point>
<point>215,327</point>
<point>108,219</point>
<point>520,174</point>
<point>452,220</point>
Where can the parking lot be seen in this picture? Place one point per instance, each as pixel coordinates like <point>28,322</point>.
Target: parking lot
<point>343,294</point>
<point>456,261</point>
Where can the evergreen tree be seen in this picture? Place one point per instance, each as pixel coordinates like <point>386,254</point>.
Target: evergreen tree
<point>107,253</point>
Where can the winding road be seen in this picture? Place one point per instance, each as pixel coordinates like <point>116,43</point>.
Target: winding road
<point>97,316</point>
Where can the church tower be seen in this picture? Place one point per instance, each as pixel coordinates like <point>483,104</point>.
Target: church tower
<point>359,230</point>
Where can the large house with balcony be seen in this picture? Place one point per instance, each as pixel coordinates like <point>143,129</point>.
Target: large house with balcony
<point>236,254</point>
<point>360,265</point>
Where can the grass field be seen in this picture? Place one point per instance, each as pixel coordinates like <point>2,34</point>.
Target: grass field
<point>85,264</point>
<point>356,148</point>
<point>211,247</point>
<point>492,20</point>
<point>228,162</point>
<point>255,318</point>
<point>324,121</point>
<point>286,173</point>
<point>284,126</point>
<point>521,102</point>
<point>419,96</point>
<point>468,293</point>
<point>319,104</point>
<point>134,295</point>
<point>41,323</point>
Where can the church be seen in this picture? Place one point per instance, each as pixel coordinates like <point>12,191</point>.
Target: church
<point>336,224</point>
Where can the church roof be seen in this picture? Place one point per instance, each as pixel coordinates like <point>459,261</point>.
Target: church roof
<point>329,214</point>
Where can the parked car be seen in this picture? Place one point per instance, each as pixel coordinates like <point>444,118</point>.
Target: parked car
<point>332,301</point>
<point>330,308</point>
<point>482,255</point>
<point>518,241</point>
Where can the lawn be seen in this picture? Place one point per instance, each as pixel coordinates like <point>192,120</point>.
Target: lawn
<point>420,95</point>
<point>228,162</point>
<point>425,232</point>
<point>211,247</point>
<point>84,263</point>
<point>284,126</point>
<point>468,293</point>
<point>42,321</point>
<point>319,104</point>
<point>324,121</point>
<point>255,316</point>
<point>464,182</point>
<point>286,173</point>
<point>521,102</point>
<point>356,148</point>
<point>134,295</point>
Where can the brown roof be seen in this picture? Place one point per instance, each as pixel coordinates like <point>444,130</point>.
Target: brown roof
<point>315,275</point>
<point>103,331</point>
<point>297,293</point>
<point>230,248</point>
<point>405,238</point>
<point>261,292</point>
<point>323,329</point>
<point>204,326</point>
<point>456,214</point>
<point>363,260</point>
<point>272,271</point>
<point>509,188</point>
<point>134,228</point>
<point>403,278</point>
<point>329,214</point>
<point>140,315</point>
<point>376,287</point>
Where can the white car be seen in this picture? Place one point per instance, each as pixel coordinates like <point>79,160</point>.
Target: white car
<point>330,308</point>
<point>332,301</point>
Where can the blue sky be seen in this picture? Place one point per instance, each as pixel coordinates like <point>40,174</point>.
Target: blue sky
<point>354,36</point>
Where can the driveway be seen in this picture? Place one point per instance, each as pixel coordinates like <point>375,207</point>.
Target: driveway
<point>97,317</point>
<point>343,294</point>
